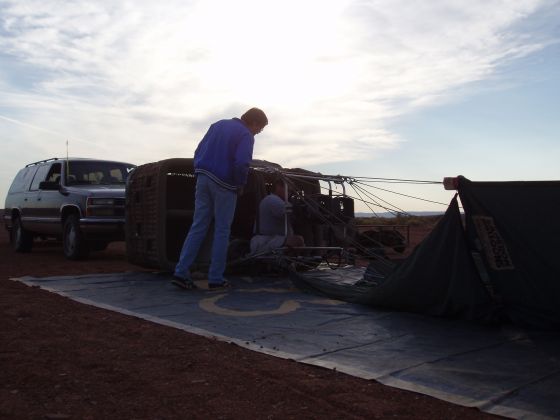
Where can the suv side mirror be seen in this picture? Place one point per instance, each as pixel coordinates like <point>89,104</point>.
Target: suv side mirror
<point>49,186</point>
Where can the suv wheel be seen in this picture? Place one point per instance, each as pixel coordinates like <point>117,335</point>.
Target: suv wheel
<point>73,242</point>
<point>22,240</point>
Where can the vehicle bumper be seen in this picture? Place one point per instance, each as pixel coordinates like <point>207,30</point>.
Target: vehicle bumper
<point>104,228</point>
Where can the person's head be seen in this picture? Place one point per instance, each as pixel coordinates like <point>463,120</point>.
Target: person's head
<point>279,187</point>
<point>255,119</point>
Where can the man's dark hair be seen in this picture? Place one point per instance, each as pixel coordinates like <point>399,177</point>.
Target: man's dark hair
<point>255,116</point>
<point>278,182</point>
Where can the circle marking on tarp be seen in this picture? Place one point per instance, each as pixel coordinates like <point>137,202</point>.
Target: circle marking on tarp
<point>210,304</point>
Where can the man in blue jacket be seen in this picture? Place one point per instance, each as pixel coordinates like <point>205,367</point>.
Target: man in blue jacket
<point>221,162</point>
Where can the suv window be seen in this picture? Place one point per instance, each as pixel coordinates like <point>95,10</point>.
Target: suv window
<point>39,176</point>
<point>22,180</point>
<point>96,173</point>
<point>54,173</point>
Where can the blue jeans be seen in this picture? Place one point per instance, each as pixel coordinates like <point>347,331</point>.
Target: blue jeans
<point>211,201</point>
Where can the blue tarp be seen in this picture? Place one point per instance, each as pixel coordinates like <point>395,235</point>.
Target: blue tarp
<point>501,370</point>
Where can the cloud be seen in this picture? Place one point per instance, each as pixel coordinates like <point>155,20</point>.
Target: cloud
<point>141,80</point>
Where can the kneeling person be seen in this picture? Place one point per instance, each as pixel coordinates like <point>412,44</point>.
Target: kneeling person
<point>271,223</point>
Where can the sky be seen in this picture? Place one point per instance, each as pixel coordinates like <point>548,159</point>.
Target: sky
<point>364,88</point>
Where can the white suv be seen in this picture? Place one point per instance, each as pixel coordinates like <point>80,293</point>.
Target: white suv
<point>80,201</point>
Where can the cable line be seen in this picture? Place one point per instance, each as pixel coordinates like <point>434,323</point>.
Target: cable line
<point>397,180</point>
<point>305,177</point>
<point>368,206</point>
<point>394,209</point>
<point>404,195</point>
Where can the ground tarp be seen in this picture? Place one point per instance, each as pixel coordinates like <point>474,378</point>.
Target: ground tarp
<point>502,370</point>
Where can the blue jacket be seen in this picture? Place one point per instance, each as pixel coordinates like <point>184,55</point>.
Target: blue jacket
<point>225,152</point>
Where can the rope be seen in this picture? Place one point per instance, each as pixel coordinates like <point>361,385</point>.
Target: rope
<point>404,195</point>
<point>342,178</point>
<point>368,206</point>
<point>398,181</point>
<point>328,217</point>
<point>319,213</point>
<point>394,210</point>
<point>351,180</point>
<point>346,195</point>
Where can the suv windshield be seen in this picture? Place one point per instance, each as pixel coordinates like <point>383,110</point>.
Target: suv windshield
<point>97,173</point>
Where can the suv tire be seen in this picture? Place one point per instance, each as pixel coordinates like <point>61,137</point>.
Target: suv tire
<point>22,240</point>
<point>73,243</point>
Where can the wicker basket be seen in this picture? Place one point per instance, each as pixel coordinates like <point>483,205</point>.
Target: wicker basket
<point>159,210</point>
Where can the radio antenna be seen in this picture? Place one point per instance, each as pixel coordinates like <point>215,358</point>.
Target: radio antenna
<point>67,164</point>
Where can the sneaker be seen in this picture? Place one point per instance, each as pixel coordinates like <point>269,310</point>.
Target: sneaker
<point>223,285</point>
<point>183,284</point>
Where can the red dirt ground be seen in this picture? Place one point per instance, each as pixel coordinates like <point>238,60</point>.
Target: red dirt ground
<point>60,359</point>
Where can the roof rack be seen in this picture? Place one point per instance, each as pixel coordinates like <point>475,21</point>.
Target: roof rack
<point>41,161</point>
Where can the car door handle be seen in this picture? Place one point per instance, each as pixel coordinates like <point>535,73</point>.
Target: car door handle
<point>39,199</point>
<point>25,199</point>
